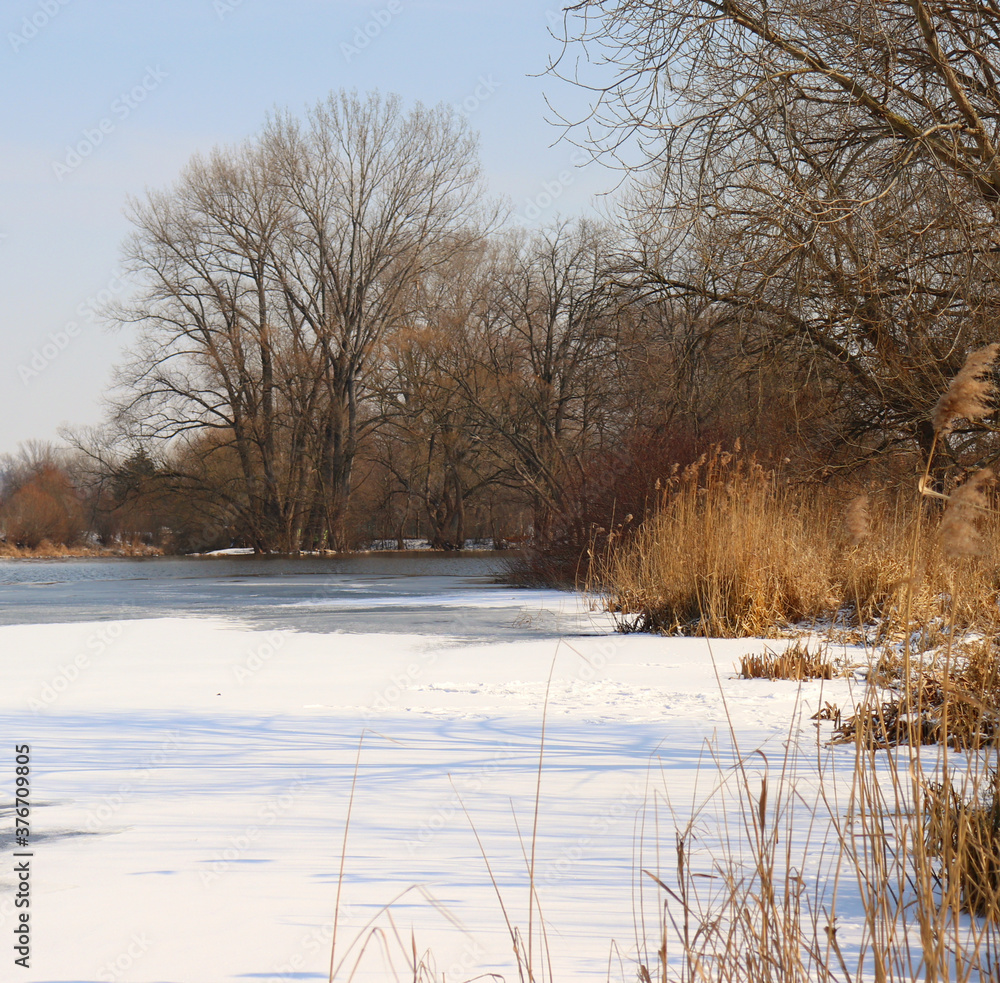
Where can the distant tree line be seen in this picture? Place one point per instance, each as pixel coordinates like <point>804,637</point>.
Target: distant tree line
<point>337,338</point>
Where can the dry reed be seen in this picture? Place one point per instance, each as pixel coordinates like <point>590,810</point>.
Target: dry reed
<point>712,561</point>
<point>857,520</point>
<point>958,532</point>
<point>969,396</point>
<point>795,662</point>
<point>955,702</point>
<point>46,550</point>
<point>921,833</point>
<point>905,858</point>
<point>735,551</point>
<point>963,834</point>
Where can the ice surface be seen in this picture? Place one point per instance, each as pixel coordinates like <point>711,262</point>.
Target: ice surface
<point>192,762</point>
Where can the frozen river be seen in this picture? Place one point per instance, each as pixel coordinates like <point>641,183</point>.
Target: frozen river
<point>419,592</point>
<point>195,725</point>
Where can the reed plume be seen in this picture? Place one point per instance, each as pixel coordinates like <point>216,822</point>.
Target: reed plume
<point>959,536</point>
<point>970,394</point>
<point>857,520</point>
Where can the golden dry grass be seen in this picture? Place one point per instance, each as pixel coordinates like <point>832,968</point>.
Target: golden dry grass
<point>795,662</point>
<point>735,550</point>
<point>47,550</point>
<point>954,701</point>
<point>963,836</point>
<point>710,561</point>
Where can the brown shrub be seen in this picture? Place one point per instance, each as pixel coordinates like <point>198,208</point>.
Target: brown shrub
<point>46,507</point>
<point>736,549</point>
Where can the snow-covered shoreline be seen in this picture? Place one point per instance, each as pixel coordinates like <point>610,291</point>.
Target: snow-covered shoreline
<point>191,777</point>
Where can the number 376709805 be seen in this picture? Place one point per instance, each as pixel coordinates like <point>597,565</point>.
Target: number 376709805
<point>22,787</point>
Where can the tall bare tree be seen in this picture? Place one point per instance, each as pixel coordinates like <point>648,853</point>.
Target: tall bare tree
<point>210,328</point>
<point>380,199</point>
<point>436,443</point>
<point>545,338</point>
<point>827,172</point>
<point>270,275</point>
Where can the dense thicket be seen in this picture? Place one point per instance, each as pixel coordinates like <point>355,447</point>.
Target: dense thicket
<point>820,179</point>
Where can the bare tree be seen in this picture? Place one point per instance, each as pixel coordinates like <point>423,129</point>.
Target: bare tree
<point>826,172</point>
<point>270,275</point>
<point>211,331</point>
<point>918,75</point>
<point>435,442</point>
<point>545,339</point>
<point>380,199</point>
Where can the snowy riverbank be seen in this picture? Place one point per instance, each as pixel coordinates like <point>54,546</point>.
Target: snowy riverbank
<point>191,775</point>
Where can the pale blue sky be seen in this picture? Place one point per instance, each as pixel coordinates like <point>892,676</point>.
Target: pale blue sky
<point>147,84</point>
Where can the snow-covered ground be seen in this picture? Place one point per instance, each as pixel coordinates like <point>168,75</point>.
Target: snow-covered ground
<point>191,773</point>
